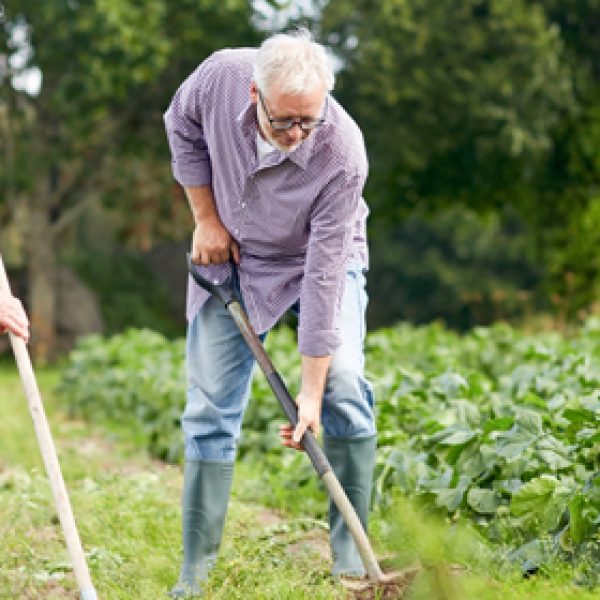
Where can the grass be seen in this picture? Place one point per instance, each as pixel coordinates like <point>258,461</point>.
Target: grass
<point>124,505</point>
<point>128,516</point>
<point>127,509</point>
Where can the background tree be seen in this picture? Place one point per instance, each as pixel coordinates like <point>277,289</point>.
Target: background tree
<point>457,100</point>
<point>566,215</point>
<point>490,104</point>
<point>108,68</point>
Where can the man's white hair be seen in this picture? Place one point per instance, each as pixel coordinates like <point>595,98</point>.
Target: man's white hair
<point>293,61</point>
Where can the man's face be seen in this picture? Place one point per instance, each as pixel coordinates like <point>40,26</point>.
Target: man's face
<point>274,106</point>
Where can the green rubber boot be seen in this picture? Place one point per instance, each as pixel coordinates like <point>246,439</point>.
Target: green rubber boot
<point>206,486</point>
<point>352,461</point>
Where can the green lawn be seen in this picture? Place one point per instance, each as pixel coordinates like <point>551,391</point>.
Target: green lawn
<point>127,511</point>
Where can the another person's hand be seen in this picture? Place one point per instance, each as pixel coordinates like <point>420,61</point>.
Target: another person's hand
<point>212,243</point>
<point>12,316</point>
<point>309,417</point>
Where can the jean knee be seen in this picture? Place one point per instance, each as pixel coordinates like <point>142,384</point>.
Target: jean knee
<point>348,405</point>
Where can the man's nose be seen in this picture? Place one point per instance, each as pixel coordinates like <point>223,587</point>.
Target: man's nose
<point>296,132</point>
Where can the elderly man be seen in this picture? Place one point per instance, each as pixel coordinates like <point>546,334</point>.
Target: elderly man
<point>12,316</point>
<point>273,168</point>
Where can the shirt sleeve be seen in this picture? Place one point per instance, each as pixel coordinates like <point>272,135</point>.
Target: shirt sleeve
<point>190,159</point>
<point>331,230</point>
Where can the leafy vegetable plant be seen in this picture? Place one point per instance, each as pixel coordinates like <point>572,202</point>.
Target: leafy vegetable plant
<point>495,426</point>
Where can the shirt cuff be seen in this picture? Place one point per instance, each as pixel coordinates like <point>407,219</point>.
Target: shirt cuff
<point>318,343</point>
<point>192,175</point>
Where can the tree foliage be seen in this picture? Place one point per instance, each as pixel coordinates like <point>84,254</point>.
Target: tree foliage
<point>108,69</point>
<point>563,209</point>
<point>486,103</point>
<point>483,104</point>
<point>456,99</point>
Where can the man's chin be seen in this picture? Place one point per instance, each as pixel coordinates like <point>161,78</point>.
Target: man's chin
<point>283,147</point>
<point>293,147</point>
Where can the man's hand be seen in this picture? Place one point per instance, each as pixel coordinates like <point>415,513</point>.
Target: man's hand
<point>309,400</point>
<point>212,244</point>
<point>12,316</point>
<point>309,416</point>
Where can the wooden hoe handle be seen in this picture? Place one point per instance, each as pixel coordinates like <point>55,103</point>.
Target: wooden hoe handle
<point>42,430</point>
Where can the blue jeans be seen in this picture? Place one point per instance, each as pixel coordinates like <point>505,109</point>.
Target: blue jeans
<point>219,371</point>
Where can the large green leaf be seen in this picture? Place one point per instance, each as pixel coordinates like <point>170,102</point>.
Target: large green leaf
<point>498,424</point>
<point>452,498</point>
<point>455,435</point>
<point>554,453</point>
<point>513,443</point>
<point>579,519</point>
<point>450,384</point>
<point>483,501</point>
<point>542,501</point>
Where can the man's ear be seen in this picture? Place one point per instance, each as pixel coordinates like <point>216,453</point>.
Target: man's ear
<point>253,93</point>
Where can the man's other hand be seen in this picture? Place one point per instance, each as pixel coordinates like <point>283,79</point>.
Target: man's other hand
<point>309,417</point>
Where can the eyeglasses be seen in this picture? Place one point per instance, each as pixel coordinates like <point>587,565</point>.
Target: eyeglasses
<point>279,124</point>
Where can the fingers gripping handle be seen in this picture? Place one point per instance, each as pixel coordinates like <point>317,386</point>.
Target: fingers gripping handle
<point>223,292</point>
<point>317,456</point>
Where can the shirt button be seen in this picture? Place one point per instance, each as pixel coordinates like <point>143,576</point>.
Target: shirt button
<point>243,205</point>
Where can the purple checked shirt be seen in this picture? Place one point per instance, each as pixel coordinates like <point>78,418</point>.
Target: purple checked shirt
<point>299,218</point>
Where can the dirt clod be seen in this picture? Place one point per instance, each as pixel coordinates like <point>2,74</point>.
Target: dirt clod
<point>394,588</point>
